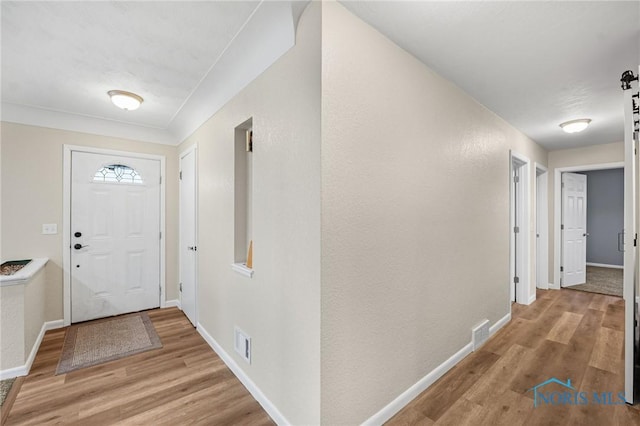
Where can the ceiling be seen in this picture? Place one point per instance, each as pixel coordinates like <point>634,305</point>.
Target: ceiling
<point>536,64</point>
<point>59,60</point>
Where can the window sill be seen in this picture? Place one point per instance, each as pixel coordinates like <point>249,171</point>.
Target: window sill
<point>242,269</point>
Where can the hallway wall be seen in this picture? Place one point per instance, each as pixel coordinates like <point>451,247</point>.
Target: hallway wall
<point>279,307</point>
<point>415,217</point>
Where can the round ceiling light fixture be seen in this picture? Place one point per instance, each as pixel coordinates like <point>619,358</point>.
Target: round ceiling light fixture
<point>125,100</point>
<point>575,126</point>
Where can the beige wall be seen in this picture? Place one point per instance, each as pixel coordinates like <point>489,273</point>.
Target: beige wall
<point>598,154</point>
<point>32,195</point>
<point>415,218</point>
<point>280,306</point>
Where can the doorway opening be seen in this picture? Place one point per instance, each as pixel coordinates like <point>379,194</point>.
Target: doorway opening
<point>519,276</point>
<point>583,259</point>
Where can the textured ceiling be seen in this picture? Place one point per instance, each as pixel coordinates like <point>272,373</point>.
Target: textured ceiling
<point>536,64</point>
<point>65,56</point>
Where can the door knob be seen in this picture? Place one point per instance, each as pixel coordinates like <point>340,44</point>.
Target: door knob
<point>193,248</point>
<point>78,246</point>
<point>78,234</point>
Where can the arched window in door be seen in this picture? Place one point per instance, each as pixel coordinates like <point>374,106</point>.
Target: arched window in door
<point>117,173</point>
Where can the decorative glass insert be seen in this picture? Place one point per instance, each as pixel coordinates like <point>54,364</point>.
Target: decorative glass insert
<point>117,173</point>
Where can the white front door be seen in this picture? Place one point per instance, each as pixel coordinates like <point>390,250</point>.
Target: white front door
<point>188,245</point>
<point>115,235</point>
<point>574,232</point>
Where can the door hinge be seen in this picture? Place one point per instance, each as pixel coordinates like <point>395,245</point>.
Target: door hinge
<point>516,229</point>
<point>635,241</point>
<point>516,280</point>
<point>160,180</point>
<point>180,287</point>
<point>516,179</point>
<point>562,269</point>
<point>561,226</point>
<point>180,174</point>
<point>160,234</point>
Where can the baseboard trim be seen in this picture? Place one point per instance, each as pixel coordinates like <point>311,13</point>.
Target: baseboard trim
<point>604,265</point>
<point>423,384</point>
<point>255,391</point>
<point>23,370</point>
<point>410,394</point>
<point>10,373</point>
<point>532,299</point>
<point>499,324</point>
<point>173,303</point>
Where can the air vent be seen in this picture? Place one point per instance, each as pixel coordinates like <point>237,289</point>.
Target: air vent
<point>480,334</point>
<point>243,345</point>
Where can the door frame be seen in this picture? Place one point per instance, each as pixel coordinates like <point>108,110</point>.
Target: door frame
<point>66,219</point>
<point>194,149</point>
<point>557,211</point>
<point>542,226</point>
<point>521,295</point>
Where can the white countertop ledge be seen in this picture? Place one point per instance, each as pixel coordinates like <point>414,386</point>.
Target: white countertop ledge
<point>25,274</point>
<point>242,269</point>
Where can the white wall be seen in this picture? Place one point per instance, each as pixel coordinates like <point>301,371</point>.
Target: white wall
<point>415,218</point>
<point>32,195</point>
<point>280,306</point>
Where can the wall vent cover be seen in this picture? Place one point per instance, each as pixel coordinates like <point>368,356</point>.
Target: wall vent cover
<point>243,345</point>
<point>480,334</point>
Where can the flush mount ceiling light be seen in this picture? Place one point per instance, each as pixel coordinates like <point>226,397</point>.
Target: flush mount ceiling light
<point>125,100</point>
<point>575,126</point>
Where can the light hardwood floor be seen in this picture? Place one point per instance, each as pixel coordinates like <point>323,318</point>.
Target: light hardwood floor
<point>565,334</point>
<point>184,382</point>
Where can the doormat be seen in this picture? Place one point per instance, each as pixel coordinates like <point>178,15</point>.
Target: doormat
<point>96,342</point>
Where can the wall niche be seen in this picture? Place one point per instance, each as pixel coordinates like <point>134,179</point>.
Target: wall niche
<point>243,190</point>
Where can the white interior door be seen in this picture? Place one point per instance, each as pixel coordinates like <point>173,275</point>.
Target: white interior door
<point>188,244</point>
<point>629,281</point>
<point>115,235</point>
<point>574,232</point>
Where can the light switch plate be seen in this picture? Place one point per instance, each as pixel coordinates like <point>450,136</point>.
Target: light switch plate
<point>49,228</point>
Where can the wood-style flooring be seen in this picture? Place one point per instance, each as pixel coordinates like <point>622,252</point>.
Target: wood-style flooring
<point>565,334</point>
<point>184,382</point>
